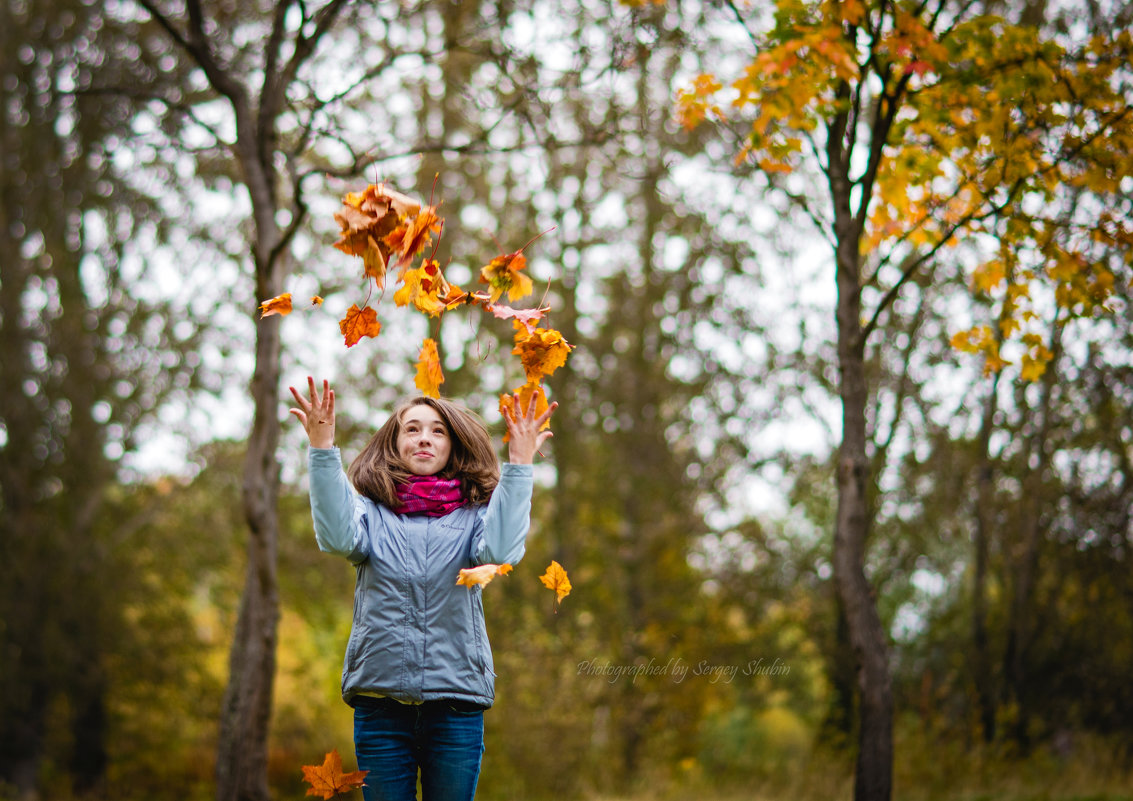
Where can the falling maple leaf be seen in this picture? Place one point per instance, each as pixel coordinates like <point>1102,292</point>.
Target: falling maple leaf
<point>280,305</point>
<point>423,288</point>
<point>542,350</point>
<point>529,317</point>
<point>328,779</point>
<point>410,237</point>
<point>503,274</point>
<point>481,575</point>
<point>359,323</point>
<point>556,579</point>
<point>430,376</point>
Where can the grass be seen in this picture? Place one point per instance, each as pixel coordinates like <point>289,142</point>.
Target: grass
<point>924,770</point>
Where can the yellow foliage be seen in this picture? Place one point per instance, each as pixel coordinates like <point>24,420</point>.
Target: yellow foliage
<point>989,128</point>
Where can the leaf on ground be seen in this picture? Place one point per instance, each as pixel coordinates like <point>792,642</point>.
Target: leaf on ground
<point>281,305</point>
<point>556,579</point>
<point>328,780</point>
<point>430,376</point>
<point>481,575</point>
<point>359,323</point>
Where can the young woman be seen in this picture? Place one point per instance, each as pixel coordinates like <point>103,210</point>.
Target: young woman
<point>425,498</point>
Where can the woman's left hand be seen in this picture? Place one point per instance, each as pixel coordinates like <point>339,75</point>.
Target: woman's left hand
<point>524,436</point>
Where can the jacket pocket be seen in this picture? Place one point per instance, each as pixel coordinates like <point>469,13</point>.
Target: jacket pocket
<point>353,645</point>
<point>480,644</point>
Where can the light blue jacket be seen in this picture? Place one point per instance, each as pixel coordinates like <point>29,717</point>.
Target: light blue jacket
<point>417,635</point>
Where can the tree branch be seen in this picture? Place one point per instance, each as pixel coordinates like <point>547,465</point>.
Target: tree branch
<point>743,23</point>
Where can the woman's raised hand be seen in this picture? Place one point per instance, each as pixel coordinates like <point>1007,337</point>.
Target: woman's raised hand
<point>524,436</point>
<point>316,413</point>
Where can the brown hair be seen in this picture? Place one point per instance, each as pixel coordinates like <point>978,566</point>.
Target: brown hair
<point>378,469</point>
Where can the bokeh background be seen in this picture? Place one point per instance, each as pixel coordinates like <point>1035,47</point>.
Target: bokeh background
<point>155,187</point>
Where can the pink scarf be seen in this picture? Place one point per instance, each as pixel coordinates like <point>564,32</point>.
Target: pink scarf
<point>428,495</point>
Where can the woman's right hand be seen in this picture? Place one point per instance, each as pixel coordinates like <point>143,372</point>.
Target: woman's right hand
<point>316,413</point>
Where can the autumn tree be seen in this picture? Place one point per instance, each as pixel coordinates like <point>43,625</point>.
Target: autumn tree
<point>926,125</point>
<point>86,360</point>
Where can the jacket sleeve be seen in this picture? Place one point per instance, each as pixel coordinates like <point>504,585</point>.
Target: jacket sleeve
<point>339,513</point>
<point>506,517</point>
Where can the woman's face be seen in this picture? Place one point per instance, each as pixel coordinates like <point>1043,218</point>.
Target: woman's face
<point>423,441</point>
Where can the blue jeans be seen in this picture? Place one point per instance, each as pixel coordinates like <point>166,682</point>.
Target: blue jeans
<point>443,739</point>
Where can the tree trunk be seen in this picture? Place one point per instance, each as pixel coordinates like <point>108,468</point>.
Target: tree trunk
<point>242,753</point>
<point>241,770</point>
<point>986,702</point>
<point>1026,556</point>
<point>837,727</point>
<point>873,774</point>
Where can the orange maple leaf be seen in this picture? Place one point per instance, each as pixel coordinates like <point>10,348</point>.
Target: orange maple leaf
<point>328,779</point>
<point>503,274</point>
<point>281,305</point>
<point>359,323</point>
<point>411,237</point>
<point>480,576</point>
<point>430,376</point>
<point>424,288</point>
<point>556,579</point>
<point>542,350</point>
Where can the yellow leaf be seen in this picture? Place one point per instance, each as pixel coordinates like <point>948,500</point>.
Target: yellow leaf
<point>481,575</point>
<point>542,350</point>
<point>430,376</point>
<point>556,579</point>
<point>280,305</point>
<point>694,104</point>
<point>503,274</point>
<point>424,287</point>
<point>988,276</point>
<point>1032,369</point>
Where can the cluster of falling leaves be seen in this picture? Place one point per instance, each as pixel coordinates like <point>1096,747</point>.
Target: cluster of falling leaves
<point>555,578</point>
<point>390,231</point>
